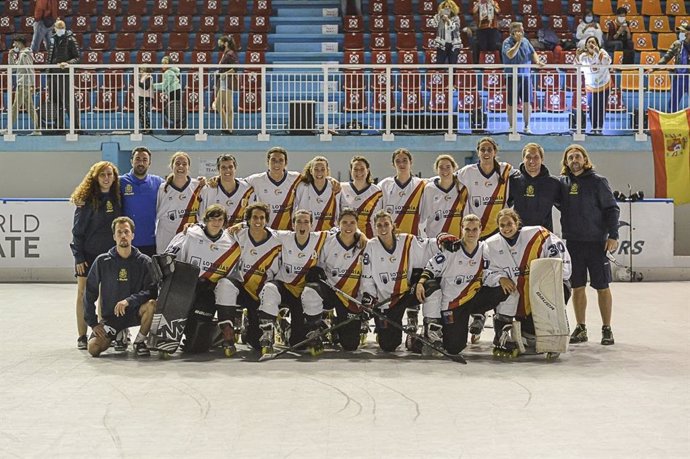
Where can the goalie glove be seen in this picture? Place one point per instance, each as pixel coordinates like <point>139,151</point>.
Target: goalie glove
<point>447,241</point>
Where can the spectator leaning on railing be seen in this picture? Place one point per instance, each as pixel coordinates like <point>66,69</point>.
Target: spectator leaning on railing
<point>172,87</point>
<point>24,95</point>
<point>680,50</point>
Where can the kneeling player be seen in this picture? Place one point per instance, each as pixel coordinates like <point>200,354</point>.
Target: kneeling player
<point>510,254</point>
<point>460,267</point>
<point>216,254</point>
<point>120,279</point>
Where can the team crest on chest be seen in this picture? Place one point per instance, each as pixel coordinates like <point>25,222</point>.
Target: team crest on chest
<point>529,191</point>
<point>122,275</point>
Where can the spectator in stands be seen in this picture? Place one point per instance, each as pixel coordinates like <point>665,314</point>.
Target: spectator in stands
<point>517,50</point>
<point>24,94</point>
<point>225,82</point>
<point>448,41</point>
<point>680,50</point>
<point>588,28</point>
<point>64,51</point>
<point>485,13</point>
<point>138,192</point>
<point>595,62</point>
<point>97,201</point>
<point>145,94</point>
<point>619,37</point>
<point>172,87</point>
<point>45,15</point>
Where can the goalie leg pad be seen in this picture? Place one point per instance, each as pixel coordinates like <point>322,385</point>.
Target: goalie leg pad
<point>174,302</point>
<point>199,335</point>
<point>548,305</point>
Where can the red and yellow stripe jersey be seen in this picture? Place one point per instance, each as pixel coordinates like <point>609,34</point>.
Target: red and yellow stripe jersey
<point>297,260</point>
<point>442,210</point>
<point>343,267</point>
<point>486,194</point>
<point>259,261</point>
<point>175,207</point>
<point>280,196</point>
<point>403,201</point>
<point>324,205</point>
<point>366,202</point>
<point>234,202</point>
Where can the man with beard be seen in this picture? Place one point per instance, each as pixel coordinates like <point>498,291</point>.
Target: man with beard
<point>119,279</point>
<point>138,190</point>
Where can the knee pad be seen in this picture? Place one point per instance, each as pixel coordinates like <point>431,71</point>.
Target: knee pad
<point>270,299</point>
<point>312,303</point>
<point>431,307</point>
<point>226,292</point>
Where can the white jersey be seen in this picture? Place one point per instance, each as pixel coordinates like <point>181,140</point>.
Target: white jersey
<point>461,274</point>
<point>365,202</point>
<point>486,194</point>
<point>386,273</point>
<point>297,260</point>
<point>343,267</point>
<point>442,210</point>
<point>174,209</point>
<point>280,196</point>
<point>215,258</point>
<point>259,261</point>
<point>324,205</point>
<point>234,203</point>
<point>403,201</point>
<point>513,261</point>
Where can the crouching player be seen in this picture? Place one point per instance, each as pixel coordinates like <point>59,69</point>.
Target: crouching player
<point>120,279</point>
<point>339,266</point>
<point>387,272</point>
<point>510,255</point>
<point>300,253</point>
<point>460,266</point>
<point>216,254</point>
<point>259,262</point>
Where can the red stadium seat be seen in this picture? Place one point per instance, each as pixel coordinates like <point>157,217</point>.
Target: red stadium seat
<point>429,40</point>
<point>379,101</point>
<point>26,25</point>
<point>204,42</point>
<point>82,101</point>
<point>408,57</point>
<point>250,81</point>
<point>436,80</point>
<point>426,24</point>
<point>465,56</point>
<point>209,24</point>
<point>234,24</point>
<point>257,42</point>
<point>6,26</point>
<point>353,41</point>
<point>425,7</point>
<point>354,80</point>
<point>354,101</point>
<point>402,7</point>
<point>64,8</point>
<point>615,101</point>
<point>353,57</point>
<point>121,57</point>
<point>404,24</point>
<point>92,57</point>
<point>527,7</point>
<point>577,7</point>
<point>467,80</point>
<point>548,80</point>
<point>353,24</point>
<point>495,80</point>
<point>412,101</point>
<point>379,24</point>
<point>546,57</point>
<point>182,24</point>
<point>249,101</point>
<point>112,7</point>
<point>559,24</point>
<point>430,56</point>
<point>505,6</point>
<point>105,24</point>
<point>158,23</point>
<point>554,101</point>
<point>260,24</point>
<point>106,101</point>
<point>531,23</point>
<point>99,41</point>
<point>504,21</point>
<point>113,79</point>
<point>552,7</point>
<point>496,101</point>
<point>125,41</point>
<point>438,101</point>
<point>406,41</point>
<point>85,80</point>
<point>132,23</point>
<point>176,57</point>
<point>380,41</point>
<point>162,7</point>
<point>146,57</point>
<point>262,8</point>
<point>179,41</point>
<point>255,57</point>
<point>211,8</point>
<point>191,99</point>
<point>381,57</point>
<point>469,101</point>
<point>14,8</point>
<point>136,7</point>
<point>237,7</point>
<point>186,7</point>
<point>201,57</point>
<point>80,24</point>
<point>378,7</point>
<point>153,41</point>
<point>489,57</point>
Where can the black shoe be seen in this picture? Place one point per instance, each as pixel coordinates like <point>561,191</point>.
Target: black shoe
<point>579,334</point>
<point>142,349</point>
<point>82,343</point>
<point>606,335</point>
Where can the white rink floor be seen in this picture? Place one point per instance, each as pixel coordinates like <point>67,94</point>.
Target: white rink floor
<point>630,400</point>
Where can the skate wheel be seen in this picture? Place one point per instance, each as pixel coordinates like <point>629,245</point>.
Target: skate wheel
<point>164,355</point>
<point>514,353</point>
<point>315,351</point>
<point>474,339</point>
<point>362,339</point>
<point>266,350</point>
<point>229,351</point>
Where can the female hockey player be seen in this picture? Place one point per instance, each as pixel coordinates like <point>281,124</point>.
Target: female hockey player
<point>402,194</point>
<point>487,184</point>
<point>216,254</point>
<point>97,201</point>
<point>444,199</point>
<point>387,272</point>
<point>317,194</point>
<point>460,266</point>
<point>361,194</point>
<point>510,254</point>
<point>225,189</point>
<point>178,200</point>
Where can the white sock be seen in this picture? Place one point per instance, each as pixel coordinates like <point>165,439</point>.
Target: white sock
<point>140,338</point>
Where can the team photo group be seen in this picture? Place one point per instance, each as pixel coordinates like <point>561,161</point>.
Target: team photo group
<point>286,262</point>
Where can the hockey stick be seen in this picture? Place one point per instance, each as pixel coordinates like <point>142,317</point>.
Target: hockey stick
<point>370,309</point>
<point>320,334</point>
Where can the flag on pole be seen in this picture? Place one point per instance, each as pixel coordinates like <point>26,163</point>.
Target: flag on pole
<point>671,147</point>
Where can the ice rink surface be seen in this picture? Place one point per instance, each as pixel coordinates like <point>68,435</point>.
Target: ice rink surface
<point>630,400</point>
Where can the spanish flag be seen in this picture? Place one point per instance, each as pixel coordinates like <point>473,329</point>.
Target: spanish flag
<point>671,146</point>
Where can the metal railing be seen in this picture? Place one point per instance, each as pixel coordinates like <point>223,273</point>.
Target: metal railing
<point>330,98</point>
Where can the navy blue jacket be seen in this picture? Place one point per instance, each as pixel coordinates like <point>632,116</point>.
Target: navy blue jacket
<point>589,212</point>
<point>534,197</point>
<point>117,279</point>
<point>92,233</point>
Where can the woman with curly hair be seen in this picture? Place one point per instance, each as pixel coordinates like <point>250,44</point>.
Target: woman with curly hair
<point>98,203</point>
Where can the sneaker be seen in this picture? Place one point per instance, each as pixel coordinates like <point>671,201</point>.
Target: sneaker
<point>606,335</point>
<point>579,334</point>
<point>82,343</point>
<point>477,324</point>
<point>142,349</point>
<point>121,341</point>
<point>527,130</point>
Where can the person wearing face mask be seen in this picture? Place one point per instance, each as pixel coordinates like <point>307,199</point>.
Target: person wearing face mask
<point>595,62</point>
<point>64,51</point>
<point>225,83</point>
<point>588,28</point>
<point>448,41</point>
<point>24,94</point>
<point>680,50</point>
<point>45,14</point>
<point>619,37</point>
